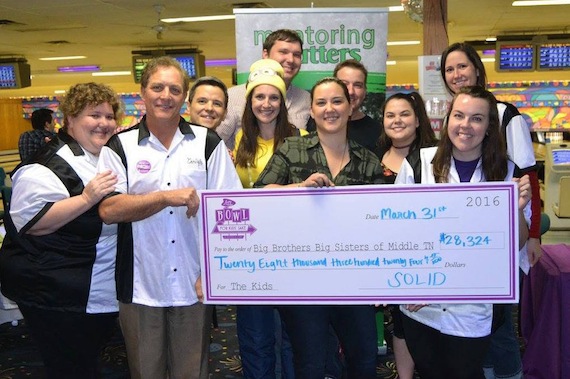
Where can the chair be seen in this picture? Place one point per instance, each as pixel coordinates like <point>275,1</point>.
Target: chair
<point>544,223</point>
<point>6,198</point>
<point>2,176</point>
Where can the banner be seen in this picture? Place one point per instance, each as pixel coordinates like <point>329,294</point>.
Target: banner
<point>330,36</point>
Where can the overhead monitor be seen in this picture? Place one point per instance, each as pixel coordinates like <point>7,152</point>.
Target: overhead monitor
<point>553,56</point>
<point>515,56</point>
<point>192,63</point>
<point>15,74</point>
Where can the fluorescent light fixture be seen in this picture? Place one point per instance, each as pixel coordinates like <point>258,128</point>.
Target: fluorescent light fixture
<point>402,43</point>
<point>222,17</point>
<point>488,60</point>
<point>111,73</point>
<point>59,91</point>
<point>199,18</point>
<point>491,39</point>
<point>84,68</point>
<point>489,52</point>
<point>220,62</point>
<point>535,3</point>
<point>390,63</point>
<point>63,58</point>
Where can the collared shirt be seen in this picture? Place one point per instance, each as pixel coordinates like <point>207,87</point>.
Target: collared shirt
<point>299,157</point>
<point>517,134</point>
<point>462,320</point>
<point>31,141</point>
<point>298,103</point>
<point>75,270</point>
<point>158,259</point>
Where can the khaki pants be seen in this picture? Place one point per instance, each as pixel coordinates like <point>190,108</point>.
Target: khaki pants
<point>170,342</point>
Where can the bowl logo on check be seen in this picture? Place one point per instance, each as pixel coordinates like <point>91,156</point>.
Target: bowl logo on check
<point>232,223</point>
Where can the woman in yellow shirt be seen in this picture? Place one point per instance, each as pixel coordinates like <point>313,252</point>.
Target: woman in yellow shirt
<point>264,127</point>
<point>265,121</point>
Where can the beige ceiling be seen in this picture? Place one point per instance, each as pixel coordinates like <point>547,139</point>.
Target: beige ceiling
<point>106,31</point>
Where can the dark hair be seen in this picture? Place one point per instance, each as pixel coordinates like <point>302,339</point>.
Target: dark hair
<point>82,95</point>
<point>330,79</point>
<point>352,63</point>
<point>210,81</point>
<point>40,117</point>
<point>493,150</point>
<point>247,148</point>
<point>425,137</point>
<point>473,57</point>
<point>287,35</point>
<point>153,66</point>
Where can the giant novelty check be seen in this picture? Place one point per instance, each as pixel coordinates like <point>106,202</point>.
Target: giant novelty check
<point>361,244</point>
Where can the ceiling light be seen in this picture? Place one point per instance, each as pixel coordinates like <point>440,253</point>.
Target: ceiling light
<point>491,39</point>
<point>488,60</point>
<point>402,43</point>
<point>534,3</point>
<point>199,19</point>
<point>78,68</point>
<point>397,8</point>
<point>390,63</point>
<point>62,58</point>
<point>111,73</point>
<point>59,91</point>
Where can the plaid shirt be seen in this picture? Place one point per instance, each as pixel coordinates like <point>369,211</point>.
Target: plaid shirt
<point>31,141</point>
<point>299,157</point>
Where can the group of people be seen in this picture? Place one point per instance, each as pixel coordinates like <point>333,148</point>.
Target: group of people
<point>99,216</point>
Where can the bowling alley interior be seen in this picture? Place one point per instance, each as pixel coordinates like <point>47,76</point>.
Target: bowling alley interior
<point>48,46</point>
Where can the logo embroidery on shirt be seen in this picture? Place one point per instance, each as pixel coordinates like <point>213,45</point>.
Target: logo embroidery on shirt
<point>195,162</point>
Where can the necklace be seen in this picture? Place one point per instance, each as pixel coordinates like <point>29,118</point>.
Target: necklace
<point>342,159</point>
<point>402,147</point>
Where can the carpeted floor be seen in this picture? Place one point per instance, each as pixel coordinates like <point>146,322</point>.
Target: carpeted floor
<point>20,359</point>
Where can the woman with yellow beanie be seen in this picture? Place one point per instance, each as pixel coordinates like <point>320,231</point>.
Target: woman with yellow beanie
<point>264,127</point>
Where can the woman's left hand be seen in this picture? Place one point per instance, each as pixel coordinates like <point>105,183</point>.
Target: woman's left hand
<point>414,307</point>
<point>317,180</point>
<point>524,190</point>
<point>100,186</point>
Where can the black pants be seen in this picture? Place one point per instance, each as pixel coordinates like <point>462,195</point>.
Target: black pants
<point>70,343</point>
<point>441,356</point>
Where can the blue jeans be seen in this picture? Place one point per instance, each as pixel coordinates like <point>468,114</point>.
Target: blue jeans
<point>308,328</point>
<point>504,355</point>
<point>258,329</point>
